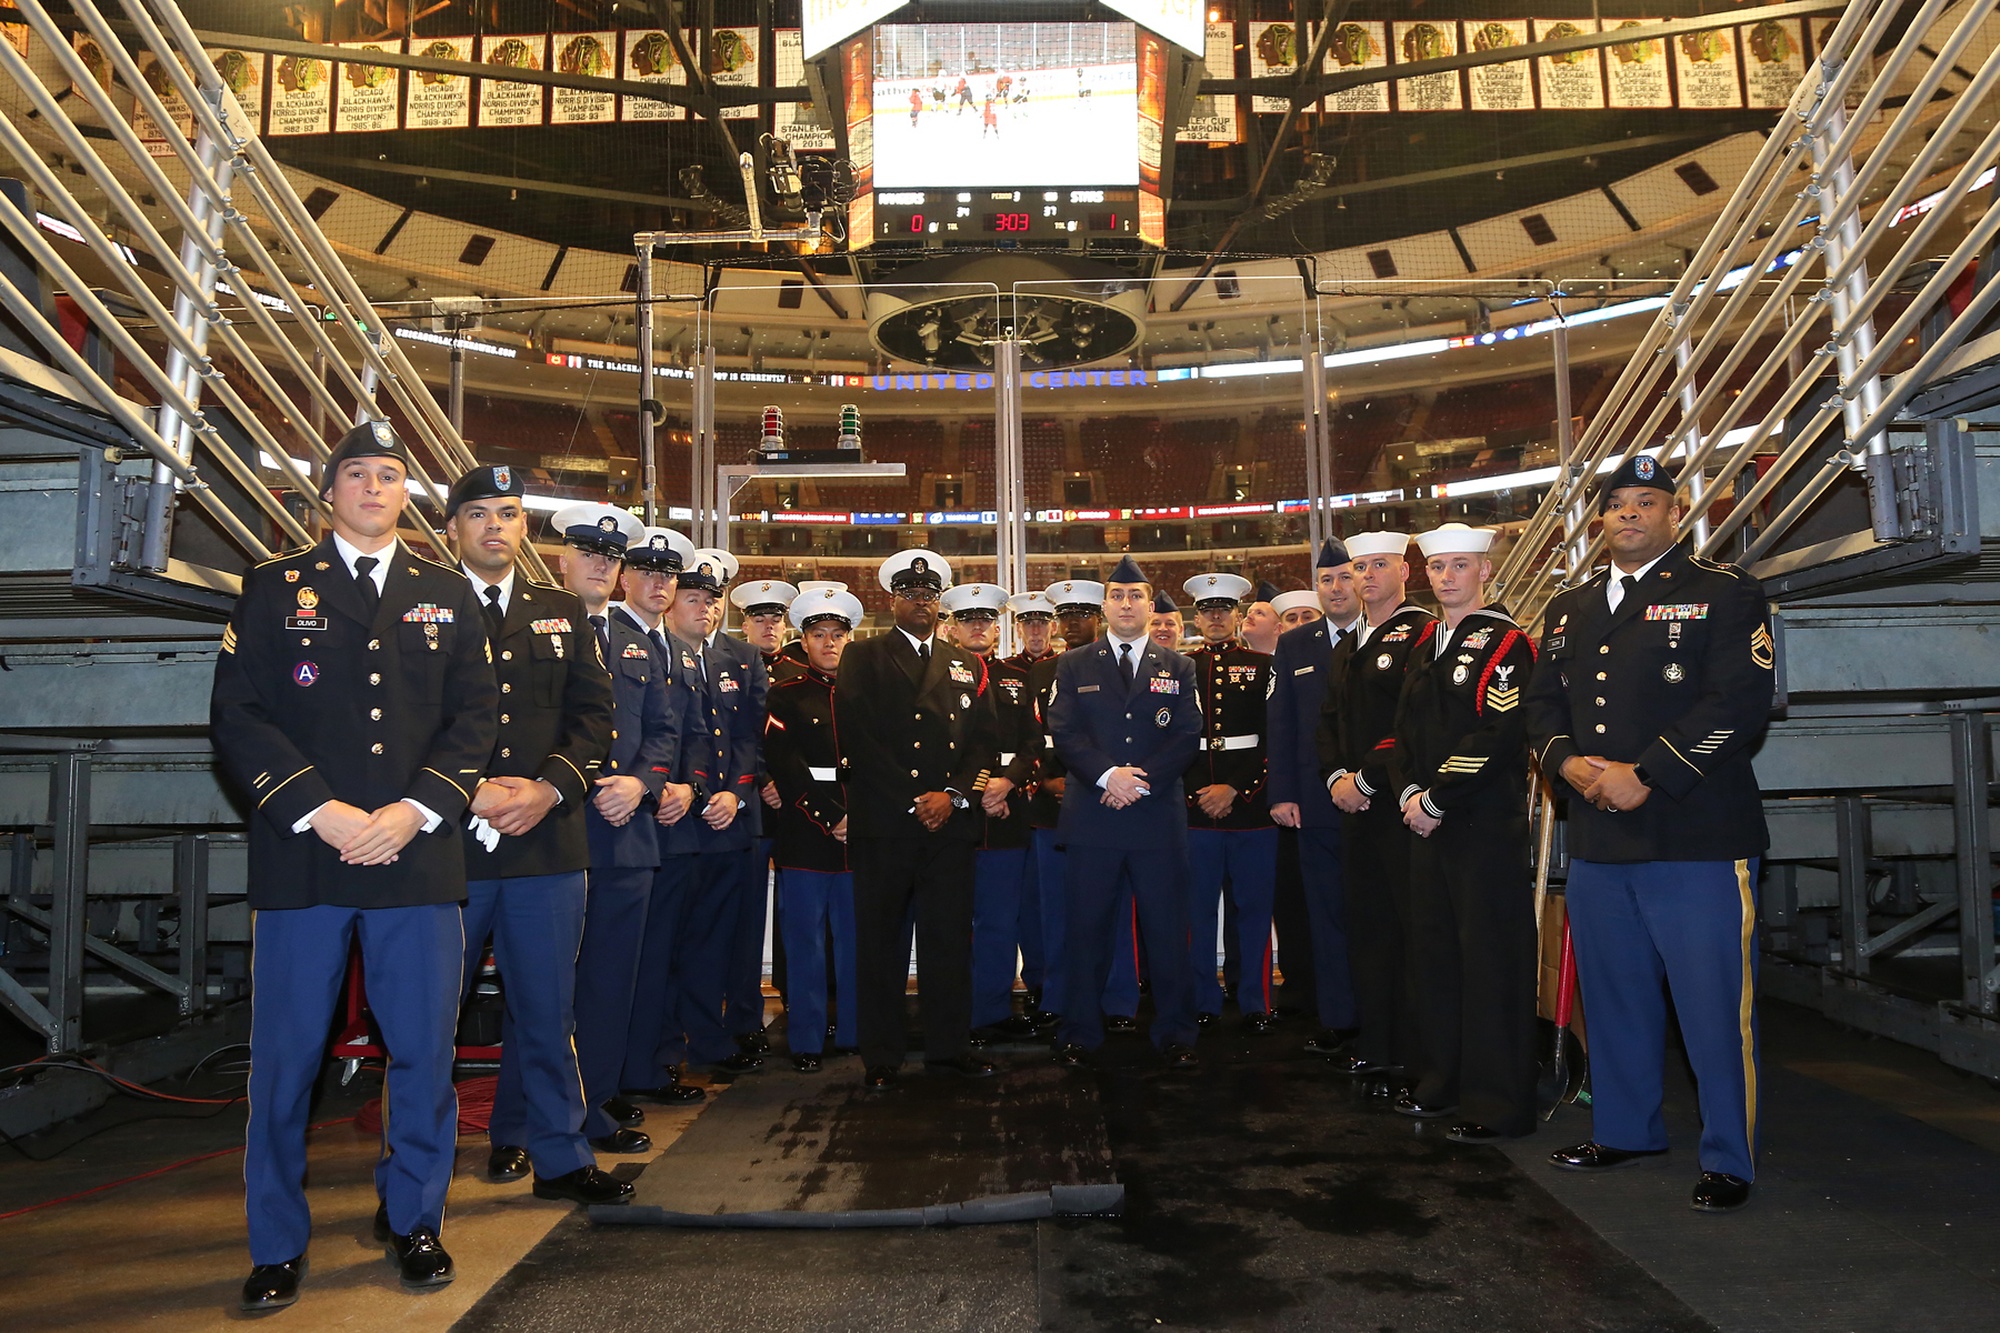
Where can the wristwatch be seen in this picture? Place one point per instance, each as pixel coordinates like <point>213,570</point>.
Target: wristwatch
<point>1639,772</point>
<point>699,802</point>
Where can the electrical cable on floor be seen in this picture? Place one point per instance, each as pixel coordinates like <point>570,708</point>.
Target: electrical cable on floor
<point>475,1107</point>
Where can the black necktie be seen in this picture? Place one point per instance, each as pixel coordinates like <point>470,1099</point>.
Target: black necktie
<point>364,583</point>
<point>1126,662</point>
<point>1630,584</point>
<point>494,615</point>
<point>660,643</point>
<point>923,652</point>
<point>603,637</point>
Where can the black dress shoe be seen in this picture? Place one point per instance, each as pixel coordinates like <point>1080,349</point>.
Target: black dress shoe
<point>740,1063</point>
<point>1044,1020</point>
<point>831,1031</point>
<point>623,1142</point>
<point>1597,1157</point>
<point>626,1114</point>
<point>753,1043</point>
<point>272,1286</point>
<point>965,1066</point>
<point>586,1185</point>
<point>1719,1192</point>
<point>1360,1066</point>
<point>1258,1021</point>
<point>1474,1133</point>
<point>1203,1020</point>
<point>879,1078</point>
<point>670,1094</point>
<point>1408,1105</point>
<point>977,1041</point>
<point>420,1260</point>
<point>1327,1041</point>
<point>1181,1057</point>
<point>507,1163</point>
<point>1120,1023</point>
<point>1013,1027</point>
<point>1072,1056</point>
<point>806,1062</point>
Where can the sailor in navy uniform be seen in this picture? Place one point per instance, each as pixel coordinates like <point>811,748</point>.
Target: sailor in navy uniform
<point>1230,833</point>
<point>1000,859</point>
<point>624,848</point>
<point>917,736</point>
<point>1034,626</point>
<point>1126,717</point>
<point>1358,717</point>
<point>650,582</point>
<point>1654,685</point>
<point>1301,674</point>
<point>741,686</point>
<point>815,887</point>
<point>526,850</point>
<point>354,707</point>
<point>1459,771</point>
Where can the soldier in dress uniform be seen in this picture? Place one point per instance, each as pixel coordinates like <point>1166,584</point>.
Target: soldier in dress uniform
<point>526,849</point>
<point>815,888</point>
<point>1230,833</point>
<point>1358,716</point>
<point>1459,770</point>
<point>1126,715</point>
<point>1034,622</point>
<point>1166,626</point>
<point>1309,846</point>
<point>918,738</point>
<point>1261,628</point>
<point>354,706</point>
<point>620,820</point>
<point>1655,682</point>
<point>650,582</point>
<point>761,604</point>
<point>1000,857</point>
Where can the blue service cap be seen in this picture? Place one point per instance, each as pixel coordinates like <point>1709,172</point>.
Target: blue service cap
<point>1267,591</point>
<point>1128,571</point>
<point>1163,604</point>
<point>1332,555</point>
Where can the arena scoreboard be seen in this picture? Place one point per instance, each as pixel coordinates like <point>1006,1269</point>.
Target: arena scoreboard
<point>987,215</point>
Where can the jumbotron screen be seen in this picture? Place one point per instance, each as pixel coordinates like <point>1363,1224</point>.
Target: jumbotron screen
<point>967,105</point>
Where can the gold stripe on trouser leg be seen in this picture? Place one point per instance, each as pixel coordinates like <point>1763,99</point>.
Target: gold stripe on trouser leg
<point>1745,1028</point>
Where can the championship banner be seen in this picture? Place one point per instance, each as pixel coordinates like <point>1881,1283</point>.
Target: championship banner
<point>801,124</point>
<point>1507,87</point>
<point>1214,119</point>
<point>243,74</point>
<point>1360,44</point>
<point>1775,61</point>
<point>1705,67</point>
<point>1574,80</point>
<point>152,135</point>
<point>504,103</point>
<point>734,62</point>
<point>366,98</point>
<point>438,101</point>
<point>1274,52</point>
<point>301,96</point>
<point>650,58</point>
<point>1428,92</point>
<point>1637,70</point>
<point>593,55</point>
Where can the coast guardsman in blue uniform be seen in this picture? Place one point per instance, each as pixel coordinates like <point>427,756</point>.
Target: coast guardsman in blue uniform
<point>1655,683</point>
<point>1125,715</point>
<point>353,708</point>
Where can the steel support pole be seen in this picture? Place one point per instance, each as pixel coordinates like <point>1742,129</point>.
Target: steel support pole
<point>1318,484</point>
<point>1574,523</point>
<point>69,885</point>
<point>455,402</point>
<point>191,317</point>
<point>1840,224</point>
<point>191,885</point>
<point>702,486</point>
<point>642,337</point>
<point>1010,503</point>
<point>1971,788</point>
<point>364,407</point>
<point>1696,487</point>
<point>1852,841</point>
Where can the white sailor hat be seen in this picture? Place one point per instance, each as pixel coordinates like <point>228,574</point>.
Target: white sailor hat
<point>1028,605</point>
<point>1216,589</point>
<point>1455,539</point>
<point>976,600</point>
<point>1296,600</point>
<point>760,596</point>
<point>1364,544</point>
<point>824,603</point>
<point>1076,592</point>
<point>660,549</point>
<point>724,563</point>
<point>814,585</point>
<point>599,528</point>
<point>916,568</point>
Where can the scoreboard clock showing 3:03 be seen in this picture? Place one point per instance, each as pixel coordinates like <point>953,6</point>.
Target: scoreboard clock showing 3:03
<point>934,216</point>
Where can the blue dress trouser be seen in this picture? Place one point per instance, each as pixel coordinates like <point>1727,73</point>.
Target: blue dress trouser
<point>1121,987</point>
<point>1323,876</point>
<point>1034,972</point>
<point>536,922</point>
<point>1642,929</point>
<point>996,931</point>
<point>1093,892</point>
<point>607,977</point>
<point>746,966</point>
<point>412,958</point>
<point>652,993</point>
<point>1248,859</point>
<point>812,903</point>
<point>694,1029</point>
